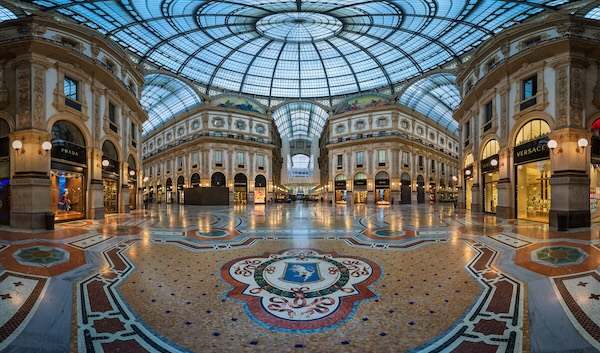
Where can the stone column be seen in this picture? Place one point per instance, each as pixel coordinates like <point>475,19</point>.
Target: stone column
<point>96,188</point>
<point>505,208</point>
<point>476,195</point>
<point>30,182</point>
<point>570,181</point>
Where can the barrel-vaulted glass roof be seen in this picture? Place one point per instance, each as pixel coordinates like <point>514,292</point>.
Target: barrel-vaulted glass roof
<point>296,48</point>
<point>435,96</point>
<point>6,14</point>
<point>300,120</point>
<point>164,97</point>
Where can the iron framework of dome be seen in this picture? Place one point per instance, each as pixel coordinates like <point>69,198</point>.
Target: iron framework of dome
<point>298,49</point>
<point>322,50</point>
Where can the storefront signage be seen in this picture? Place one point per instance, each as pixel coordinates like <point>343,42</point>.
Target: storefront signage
<point>340,184</point>
<point>532,151</point>
<point>486,164</point>
<point>382,182</point>
<point>240,184</point>
<point>361,182</point>
<point>68,152</point>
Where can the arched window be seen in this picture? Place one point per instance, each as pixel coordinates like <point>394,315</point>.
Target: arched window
<point>360,176</point>
<point>340,177</point>
<point>491,148</point>
<point>468,160</point>
<point>109,151</point>
<point>67,131</point>
<point>382,176</point>
<point>532,130</point>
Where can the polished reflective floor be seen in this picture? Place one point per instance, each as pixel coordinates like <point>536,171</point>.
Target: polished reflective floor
<point>300,277</point>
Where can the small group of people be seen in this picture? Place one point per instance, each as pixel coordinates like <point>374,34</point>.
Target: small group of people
<point>65,202</point>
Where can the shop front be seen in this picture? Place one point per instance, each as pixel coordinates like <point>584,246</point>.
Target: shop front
<point>260,189</point>
<point>180,182</point>
<point>382,188</point>
<point>532,175</point>
<point>431,189</point>
<point>405,188</point>
<point>110,177</point>
<point>195,180</point>
<point>132,182</point>
<point>489,171</point>
<point>159,191</point>
<point>240,189</point>
<point>169,190</point>
<point>359,192</point>
<point>340,189</point>
<point>595,173</point>
<point>4,173</point>
<point>68,172</point>
<point>218,180</point>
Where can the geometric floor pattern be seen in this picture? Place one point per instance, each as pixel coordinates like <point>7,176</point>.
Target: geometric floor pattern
<point>300,277</point>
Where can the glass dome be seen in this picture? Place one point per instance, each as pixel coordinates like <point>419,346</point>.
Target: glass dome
<point>298,49</point>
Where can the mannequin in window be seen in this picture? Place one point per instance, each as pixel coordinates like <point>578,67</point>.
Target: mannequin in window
<point>65,203</point>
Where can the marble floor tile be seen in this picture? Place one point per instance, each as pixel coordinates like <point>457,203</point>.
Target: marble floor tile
<point>300,277</point>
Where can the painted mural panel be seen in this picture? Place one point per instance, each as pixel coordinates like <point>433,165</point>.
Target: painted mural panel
<point>362,102</point>
<point>237,102</point>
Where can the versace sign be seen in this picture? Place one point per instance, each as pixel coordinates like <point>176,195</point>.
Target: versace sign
<point>532,151</point>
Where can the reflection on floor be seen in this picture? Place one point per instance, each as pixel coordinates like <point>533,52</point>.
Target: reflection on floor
<point>300,278</point>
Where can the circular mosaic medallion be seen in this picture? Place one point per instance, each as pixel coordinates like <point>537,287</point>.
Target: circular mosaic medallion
<point>300,289</point>
<point>42,256</point>
<point>558,255</point>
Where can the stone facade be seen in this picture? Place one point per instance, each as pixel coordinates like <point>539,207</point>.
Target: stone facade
<point>536,71</point>
<point>37,55</point>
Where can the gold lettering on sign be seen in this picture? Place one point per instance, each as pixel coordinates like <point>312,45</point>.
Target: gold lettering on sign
<point>531,150</point>
<point>71,152</point>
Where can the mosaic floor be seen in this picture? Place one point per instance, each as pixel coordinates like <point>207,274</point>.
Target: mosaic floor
<point>300,278</point>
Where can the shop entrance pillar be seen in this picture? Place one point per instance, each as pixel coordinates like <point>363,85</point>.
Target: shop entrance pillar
<point>570,180</point>
<point>30,184</point>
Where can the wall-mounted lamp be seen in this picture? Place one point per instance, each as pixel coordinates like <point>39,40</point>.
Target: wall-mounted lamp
<point>454,178</point>
<point>552,145</point>
<point>146,179</point>
<point>468,172</point>
<point>582,143</point>
<point>105,162</point>
<point>46,146</point>
<point>132,172</point>
<point>18,146</point>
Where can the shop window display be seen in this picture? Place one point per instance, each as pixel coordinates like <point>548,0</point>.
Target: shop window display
<point>533,191</point>
<point>110,195</point>
<point>66,195</point>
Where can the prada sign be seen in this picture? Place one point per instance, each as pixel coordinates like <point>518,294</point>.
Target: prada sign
<point>340,184</point>
<point>68,152</point>
<point>486,164</point>
<point>532,151</point>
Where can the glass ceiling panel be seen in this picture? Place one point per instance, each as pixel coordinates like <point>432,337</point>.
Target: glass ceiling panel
<point>436,97</point>
<point>594,13</point>
<point>164,97</point>
<point>300,120</point>
<point>345,46</point>
<point>6,14</point>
